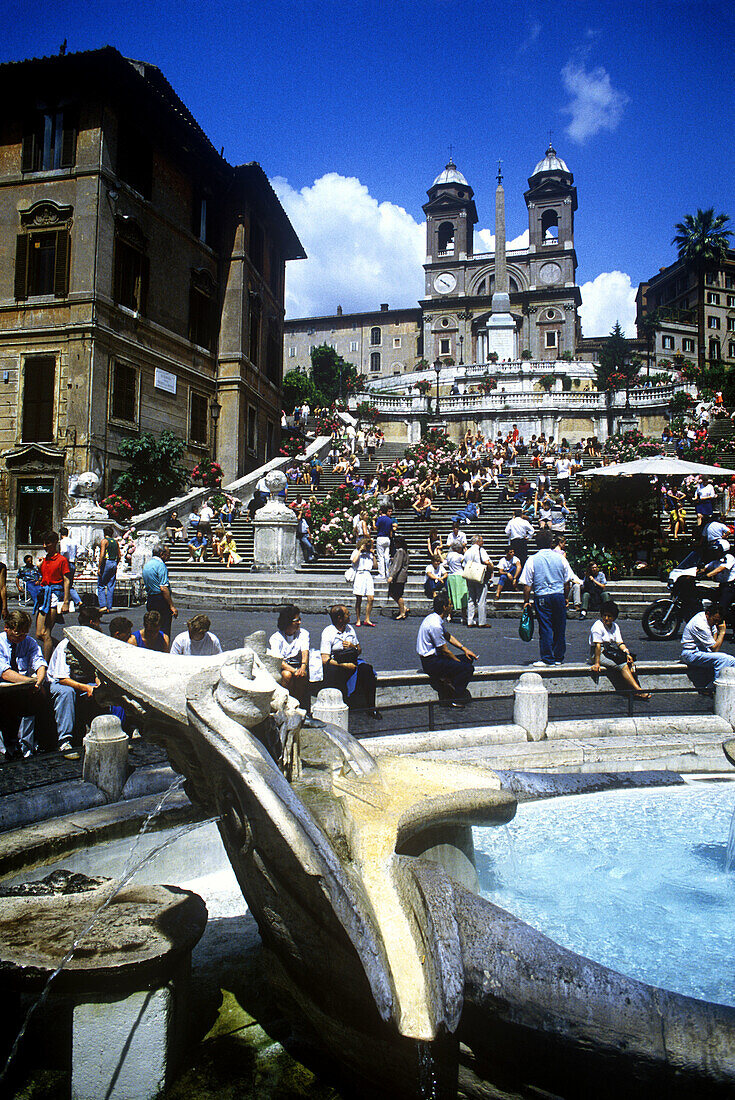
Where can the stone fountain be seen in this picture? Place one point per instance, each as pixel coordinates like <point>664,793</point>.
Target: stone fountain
<point>86,519</point>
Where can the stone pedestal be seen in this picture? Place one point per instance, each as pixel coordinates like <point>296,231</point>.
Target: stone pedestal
<point>501,335</point>
<point>144,543</point>
<point>329,706</point>
<point>87,519</point>
<point>531,706</point>
<point>274,532</point>
<point>725,695</point>
<point>627,421</point>
<point>106,756</point>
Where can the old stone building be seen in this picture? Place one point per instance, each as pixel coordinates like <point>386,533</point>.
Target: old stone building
<point>141,286</point>
<point>379,343</point>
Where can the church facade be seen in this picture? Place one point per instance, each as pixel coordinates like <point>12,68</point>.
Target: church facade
<point>451,320</point>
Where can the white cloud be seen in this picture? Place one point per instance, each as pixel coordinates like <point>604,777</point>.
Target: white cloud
<point>360,252</point>
<point>607,299</point>
<point>595,105</point>
<point>485,241</point>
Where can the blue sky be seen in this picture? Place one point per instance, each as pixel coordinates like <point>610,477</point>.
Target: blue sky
<point>351,109</point>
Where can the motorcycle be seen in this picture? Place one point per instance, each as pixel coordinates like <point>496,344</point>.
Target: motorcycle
<point>663,618</point>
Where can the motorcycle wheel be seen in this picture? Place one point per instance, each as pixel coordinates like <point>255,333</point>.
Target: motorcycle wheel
<point>661,620</point>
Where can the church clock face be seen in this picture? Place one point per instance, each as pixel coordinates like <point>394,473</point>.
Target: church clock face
<point>550,274</point>
<point>445,282</point>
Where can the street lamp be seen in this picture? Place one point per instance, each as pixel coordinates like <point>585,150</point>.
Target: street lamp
<point>214,410</point>
<point>461,342</point>
<point>437,368</point>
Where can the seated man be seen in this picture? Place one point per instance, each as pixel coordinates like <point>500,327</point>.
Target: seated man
<point>450,675</point>
<point>343,666</point>
<point>21,663</point>
<point>701,642</point>
<point>28,579</point>
<point>509,570</point>
<point>197,640</point>
<point>72,682</point>
<point>197,548</point>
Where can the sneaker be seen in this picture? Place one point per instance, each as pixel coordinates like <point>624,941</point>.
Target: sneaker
<point>376,715</point>
<point>542,664</point>
<point>64,746</point>
<point>583,614</point>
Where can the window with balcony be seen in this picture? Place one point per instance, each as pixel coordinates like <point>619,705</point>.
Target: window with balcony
<point>124,395</point>
<point>714,349</point>
<point>39,378</point>
<point>49,140</point>
<point>198,419</point>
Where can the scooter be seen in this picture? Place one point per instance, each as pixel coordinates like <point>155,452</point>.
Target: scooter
<point>663,618</point>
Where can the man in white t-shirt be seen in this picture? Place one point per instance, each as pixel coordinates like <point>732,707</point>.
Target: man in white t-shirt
<point>69,547</point>
<point>457,535</point>
<point>701,642</point>
<point>518,531</point>
<point>197,640</point>
<point>509,570</point>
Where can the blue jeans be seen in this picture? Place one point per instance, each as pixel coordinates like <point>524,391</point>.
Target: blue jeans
<point>551,612</point>
<point>308,549</point>
<point>459,673</point>
<point>703,668</point>
<point>106,585</point>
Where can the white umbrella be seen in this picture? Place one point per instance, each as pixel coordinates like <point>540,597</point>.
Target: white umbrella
<point>657,466</point>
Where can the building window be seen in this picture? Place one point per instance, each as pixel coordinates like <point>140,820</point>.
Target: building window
<point>131,266</point>
<point>730,282</point>
<point>354,345</point>
<point>731,349</point>
<point>49,141</point>
<point>712,298</point>
<point>445,346</point>
<point>731,301</point>
<point>445,239</point>
<point>202,220</point>
<point>42,264</point>
<point>374,361</point>
<point>272,356</point>
<point>256,246</point>
<point>35,511</point>
<point>202,310</point>
<point>292,352</point>
<point>714,349</point>
<point>124,396</point>
<point>551,338</point>
<point>254,342</point>
<point>687,344</point>
<point>711,278</point>
<point>252,430</point>
<point>713,322</point>
<point>39,378</point>
<point>731,324</point>
<point>396,341</point>
<point>198,419</point>
<point>549,226</point>
<point>667,343</point>
<point>375,336</point>
<point>134,160</point>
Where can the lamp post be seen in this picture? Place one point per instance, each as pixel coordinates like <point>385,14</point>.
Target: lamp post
<point>214,410</point>
<point>461,342</point>
<point>437,368</point>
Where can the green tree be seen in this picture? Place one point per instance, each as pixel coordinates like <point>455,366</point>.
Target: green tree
<point>617,369</point>
<point>702,240</point>
<point>297,388</point>
<point>155,473</point>
<point>333,378</point>
<point>649,326</point>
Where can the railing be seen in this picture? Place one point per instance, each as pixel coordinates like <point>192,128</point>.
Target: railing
<point>584,400</point>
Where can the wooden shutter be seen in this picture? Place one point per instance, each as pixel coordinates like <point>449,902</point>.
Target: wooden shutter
<point>69,140</point>
<point>145,269</point>
<point>21,266</point>
<point>61,267</point>
<point>30,146</point>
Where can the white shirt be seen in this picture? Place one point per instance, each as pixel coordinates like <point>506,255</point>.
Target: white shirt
<point>283,647</point>
<point>508,565</point>
<point>704,492</point>
<point>518,528</point>
<point>205,514</point>
<point>435,572</point>
<point>58,666</point>
<point>453,562</point>
<point>183,646</point>
<point>333,639</point>
<point>562,467</point>
<point>69,549</point>
<point>698,635</point>
<point>459,536</point>
<point>599,634</point>
<point>476,553</point>
<point>432,634</point>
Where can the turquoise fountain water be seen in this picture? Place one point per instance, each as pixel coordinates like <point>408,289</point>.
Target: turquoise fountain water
<point>635,879</point>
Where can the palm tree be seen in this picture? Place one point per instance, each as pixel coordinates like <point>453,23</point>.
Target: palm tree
<point>702,241</point>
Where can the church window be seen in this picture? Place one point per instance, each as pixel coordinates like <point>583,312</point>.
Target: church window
<point>550,226</point>
<point>39,374</point>
<point>551,338</point>
<point>198,414</point>
<point>49,141</point>
<point>445,238</point>
<point>445,346</point>
<point>375,336</point>
<point>124,396</point>
<point>375,361</point>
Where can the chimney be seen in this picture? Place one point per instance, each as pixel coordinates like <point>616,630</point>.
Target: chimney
<point>339,311</point>
<point>383,307</point>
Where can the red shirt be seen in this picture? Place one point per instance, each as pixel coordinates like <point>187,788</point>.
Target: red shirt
<point>54,569</point>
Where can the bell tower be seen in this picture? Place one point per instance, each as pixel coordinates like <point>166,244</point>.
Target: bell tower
<point>551,200</point>
<point>450,217</point>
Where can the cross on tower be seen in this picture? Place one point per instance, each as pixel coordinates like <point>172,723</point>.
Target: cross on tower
<point>451,150</point>
<point>500,172</point>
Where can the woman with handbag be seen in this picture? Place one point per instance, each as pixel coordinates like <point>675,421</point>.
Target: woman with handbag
<point>607,650</point>
<point>476,570</point>
<point>291,644</point>
<point>363,563</point>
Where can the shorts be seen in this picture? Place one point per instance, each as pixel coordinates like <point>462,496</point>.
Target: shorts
<point>363,584</point>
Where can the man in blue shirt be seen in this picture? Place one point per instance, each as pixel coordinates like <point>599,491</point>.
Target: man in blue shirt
<point>22,664</point>
<point>158,588</point>
<point>548,575</point>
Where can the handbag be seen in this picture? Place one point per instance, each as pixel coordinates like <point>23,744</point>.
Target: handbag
<point>526,625</point>
<point>350,573</point>
<point>613,652</point>
<point>475,571</point>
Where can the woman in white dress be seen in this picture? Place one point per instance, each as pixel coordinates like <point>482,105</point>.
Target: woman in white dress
<point>291,644</point>
<point>364,562</point>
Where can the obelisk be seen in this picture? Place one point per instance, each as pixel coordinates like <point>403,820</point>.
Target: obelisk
<point>501,327</point>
